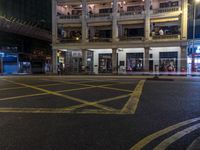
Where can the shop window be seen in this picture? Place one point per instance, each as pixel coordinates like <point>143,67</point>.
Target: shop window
<point>105,10</point>
<point>105,63</point>
<point>134,62</point>
<point>168,61</point>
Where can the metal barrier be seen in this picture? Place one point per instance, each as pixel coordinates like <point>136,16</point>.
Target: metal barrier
<point>165,10</point>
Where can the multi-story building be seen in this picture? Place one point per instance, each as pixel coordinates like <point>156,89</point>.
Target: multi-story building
<point>124,36</point>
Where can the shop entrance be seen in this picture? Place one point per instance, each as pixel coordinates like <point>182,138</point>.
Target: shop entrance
<point>134,62</point>
<point>76,65</point>
<point>105,63</point>
<point>168,61</point>
<point>151,65</point>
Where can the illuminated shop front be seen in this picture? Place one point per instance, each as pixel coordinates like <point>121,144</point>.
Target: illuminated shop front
<point>194,57</point>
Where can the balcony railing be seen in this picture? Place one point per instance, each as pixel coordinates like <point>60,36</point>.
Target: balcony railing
<point>71,17</point>
<point>166,37</point>
<point>131,13</point>
<point>165,10</point>
<point>70,40</point>
<point>98,39</point>
<point>133,38</point>
<point>100,15</point>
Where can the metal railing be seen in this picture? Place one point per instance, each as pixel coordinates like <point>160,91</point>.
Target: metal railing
<point>165,10</point>
<point>164,37</point>
<point>69,40</point>
<point>131,13</point>
<point>69,17</point>
<point>100,15</point>
<point>133,38</point>
<point>98,39</point>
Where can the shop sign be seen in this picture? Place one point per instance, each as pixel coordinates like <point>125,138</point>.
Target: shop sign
<point>77,54</point>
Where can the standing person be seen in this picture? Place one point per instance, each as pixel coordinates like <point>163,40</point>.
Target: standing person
<point>161,32</point>
<point>58,70</point>
<point>61,69</point>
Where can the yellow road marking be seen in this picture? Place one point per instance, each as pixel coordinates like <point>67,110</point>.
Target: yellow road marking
<point>98,102</point>
<point>132,103</point>
<point>55,110</point>
<point>165,143</point>
<point>15,88</point>
<point>11,88</point>
<point>142,143</point>
<point>23,96</point>
<point>94,86</point>
<point>64,96</point>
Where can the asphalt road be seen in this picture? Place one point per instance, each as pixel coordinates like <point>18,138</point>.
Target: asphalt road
<point>98,113</point>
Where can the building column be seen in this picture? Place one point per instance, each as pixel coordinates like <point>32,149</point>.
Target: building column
<point>54,22</point>
<point>147,20</point>
<point>54,60</point>
<point>84,57</point>
<point>183,57</point>
<point>114,22</point>
<point>146,59</point>
<point>184,19</point>
<point>84,22</point>
<point>114,61</point>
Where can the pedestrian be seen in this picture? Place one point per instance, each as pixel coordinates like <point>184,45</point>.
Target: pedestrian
<point>58,70</point>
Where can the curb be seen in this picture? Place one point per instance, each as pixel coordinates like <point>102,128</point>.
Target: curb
<point>195,144</point>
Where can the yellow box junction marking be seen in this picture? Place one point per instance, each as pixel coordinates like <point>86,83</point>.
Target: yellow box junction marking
<point>142,143</point>
<point>64,96</point>
<point>132,103</point>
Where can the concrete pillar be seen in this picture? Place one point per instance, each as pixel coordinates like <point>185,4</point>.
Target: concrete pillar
<point>84,57</point>
<point>184,19</point>
<point>183,59</point>
<point>54,60</point>
<point>146,59</point>
<point>114,21</point>
<point>114,61</point>
<point>84,22</point>
<point>147,20</point>
<point>54,22</point>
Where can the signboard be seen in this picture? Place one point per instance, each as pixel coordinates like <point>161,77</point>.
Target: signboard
<point>76,54</point>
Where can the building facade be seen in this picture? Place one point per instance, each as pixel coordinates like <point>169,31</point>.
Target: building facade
<point>120,36</point>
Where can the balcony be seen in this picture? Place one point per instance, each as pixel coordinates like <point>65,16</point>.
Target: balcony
<point>69,40</point>
<point>99,39</point>
<point>166,12</point>
<point>166,37</point>
<point>99,17</point>
<point>133,38</point>
<point>69,19</point>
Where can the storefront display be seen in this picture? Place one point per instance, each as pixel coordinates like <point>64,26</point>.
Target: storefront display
<point>105,63</point>
<point>168,61</point>
<point>134,62</point>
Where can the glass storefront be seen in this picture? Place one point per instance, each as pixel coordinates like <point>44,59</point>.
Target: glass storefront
<point>168,61</point>
<point>105,63</point>
<point>134,62</point>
